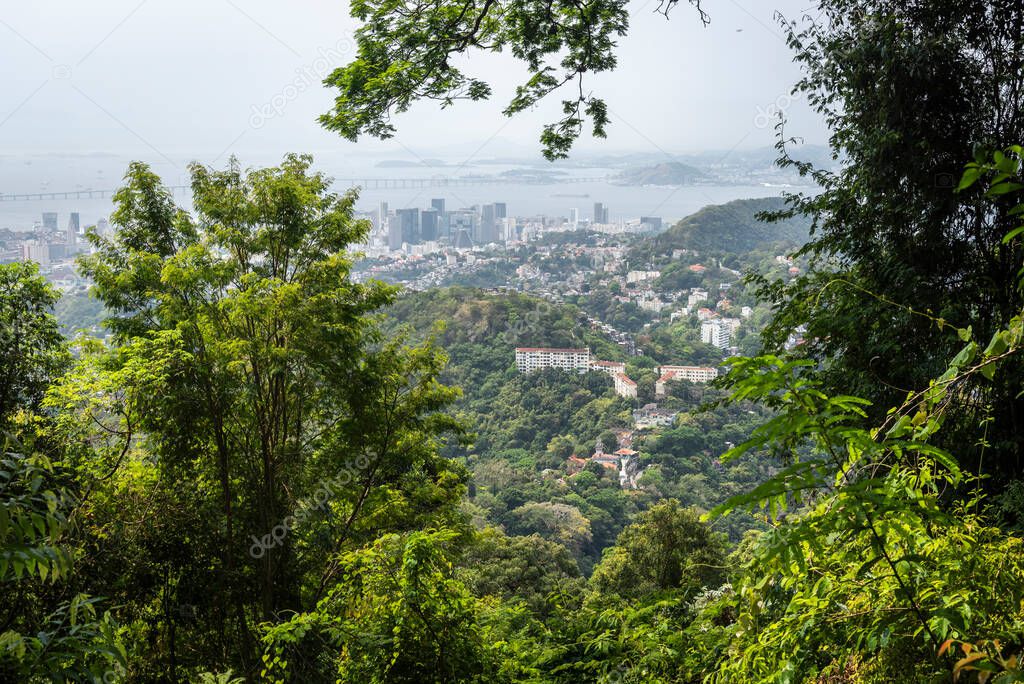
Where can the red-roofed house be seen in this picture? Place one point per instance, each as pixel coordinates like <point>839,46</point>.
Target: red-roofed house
<point>575,464</point>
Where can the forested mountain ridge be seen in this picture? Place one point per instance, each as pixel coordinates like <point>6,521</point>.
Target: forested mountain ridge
<point>730,228</point>
<point>503,320</point>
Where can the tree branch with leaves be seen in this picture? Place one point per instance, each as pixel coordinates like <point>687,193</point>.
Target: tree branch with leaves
<point>407,51</point>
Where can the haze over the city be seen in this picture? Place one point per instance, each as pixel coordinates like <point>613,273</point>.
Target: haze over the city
<point>202,79</point>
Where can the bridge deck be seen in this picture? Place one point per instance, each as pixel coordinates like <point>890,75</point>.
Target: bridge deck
<point>365,183</point>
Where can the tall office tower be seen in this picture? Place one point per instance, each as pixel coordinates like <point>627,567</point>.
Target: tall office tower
<point>74,223</point>
<point>499,210</point>
<point>438,204</point>
<point>600,213</point>
<point>654,222</point>
<point>430,224</point>
<point>444,227</point>
<point>394,232</point>
<point>50,221</point>
<point>382,216</point>
<point>574,218</point>
<point>488,225</point>
<point>409,225</point>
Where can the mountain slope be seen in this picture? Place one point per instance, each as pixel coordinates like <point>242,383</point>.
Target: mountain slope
<point>732,228</point>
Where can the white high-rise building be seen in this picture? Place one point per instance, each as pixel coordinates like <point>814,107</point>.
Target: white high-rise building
<point>716,333</point>
<point>508,229</point>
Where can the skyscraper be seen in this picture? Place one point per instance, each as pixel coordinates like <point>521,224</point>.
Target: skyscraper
<point>409,225</point>
<point>74,222</point>
<point>50,221</point>
<point>600,213</point>
<point>102,227</point>
<point>499,210</point>
<point>394,228</point>
<point>438,204</point>
<point>430,224</point>
<point>488,225</point>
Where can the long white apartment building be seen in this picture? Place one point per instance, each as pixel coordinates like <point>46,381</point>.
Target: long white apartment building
<point>609,367</point>
<point>697,374</point>
<point>529,359</point>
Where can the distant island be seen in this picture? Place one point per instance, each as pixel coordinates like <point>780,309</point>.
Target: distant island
<point>666,173</point>
<point>408,164</point>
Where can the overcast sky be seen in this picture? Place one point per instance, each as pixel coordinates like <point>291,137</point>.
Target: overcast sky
<point>203,78</point>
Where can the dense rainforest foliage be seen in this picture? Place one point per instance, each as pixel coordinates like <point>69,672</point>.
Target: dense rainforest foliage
<point>273,472</point>
<point>525,428</point>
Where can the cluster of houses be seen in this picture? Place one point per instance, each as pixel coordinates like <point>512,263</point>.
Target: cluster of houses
<point>623,462</point>
<point>650,416</point>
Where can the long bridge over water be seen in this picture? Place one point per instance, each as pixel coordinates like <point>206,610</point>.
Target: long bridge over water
<point>365,183</point>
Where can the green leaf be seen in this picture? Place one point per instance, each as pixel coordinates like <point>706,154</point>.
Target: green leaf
<point>1012,234</point>
<point>969,177</point>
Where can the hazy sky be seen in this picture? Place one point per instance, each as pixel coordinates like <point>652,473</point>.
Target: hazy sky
<point>204,78</point>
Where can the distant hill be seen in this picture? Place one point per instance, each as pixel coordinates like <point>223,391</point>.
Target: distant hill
<point>478,321</point>
<point>668,173</point>
<point>730,228</point>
